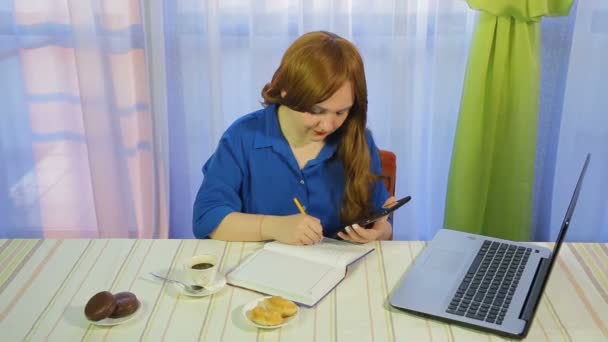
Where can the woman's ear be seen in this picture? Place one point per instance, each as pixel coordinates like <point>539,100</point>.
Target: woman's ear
<point>283,94</point>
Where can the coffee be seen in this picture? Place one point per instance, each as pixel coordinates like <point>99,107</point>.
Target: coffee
<point>202,266</point>
<point>201,269</point>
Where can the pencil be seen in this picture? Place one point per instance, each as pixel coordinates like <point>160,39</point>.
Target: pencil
<point>300,207</point>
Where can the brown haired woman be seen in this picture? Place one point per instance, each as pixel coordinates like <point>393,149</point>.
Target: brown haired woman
<point>310,142</point>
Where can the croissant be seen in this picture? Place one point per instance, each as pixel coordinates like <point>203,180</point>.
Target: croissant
<point>263,316</point>
<point>284,306</point>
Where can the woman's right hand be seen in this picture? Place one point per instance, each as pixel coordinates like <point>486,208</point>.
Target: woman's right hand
<point>298,229</point>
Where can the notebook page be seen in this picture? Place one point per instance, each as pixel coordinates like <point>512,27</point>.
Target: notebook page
<point>328,251</point>
<point>271,272</point>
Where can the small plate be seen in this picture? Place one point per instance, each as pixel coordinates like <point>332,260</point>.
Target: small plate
<point>218,284</point>
<point>249,306</point>
<point>107,322</point>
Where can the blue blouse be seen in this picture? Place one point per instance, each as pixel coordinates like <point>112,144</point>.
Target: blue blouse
<point>253,170</point>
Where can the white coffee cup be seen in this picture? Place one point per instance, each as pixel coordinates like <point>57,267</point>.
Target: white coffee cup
<point>201,269</point>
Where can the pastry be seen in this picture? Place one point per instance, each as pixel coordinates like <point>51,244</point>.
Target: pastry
<point>126,304</point>
<point>262,316</point>
<point>100,306</point>
<point>281,305</point>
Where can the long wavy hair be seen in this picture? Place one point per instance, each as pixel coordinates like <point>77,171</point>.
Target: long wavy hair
<point>313,68</point>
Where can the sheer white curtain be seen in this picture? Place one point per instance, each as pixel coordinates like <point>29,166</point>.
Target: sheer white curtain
<point>221,53</point>
<point>78,149</point>
<point>110,107</point>
<point>573,122</point>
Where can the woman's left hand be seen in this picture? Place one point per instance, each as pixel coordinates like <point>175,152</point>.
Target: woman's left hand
<point>381,230</point>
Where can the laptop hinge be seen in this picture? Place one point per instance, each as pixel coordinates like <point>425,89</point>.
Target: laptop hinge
<point>536,290</point>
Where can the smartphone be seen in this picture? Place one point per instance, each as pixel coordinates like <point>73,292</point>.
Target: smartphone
<point>366,223</point>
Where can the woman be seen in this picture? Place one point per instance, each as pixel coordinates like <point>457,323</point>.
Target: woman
<point>309,143</point>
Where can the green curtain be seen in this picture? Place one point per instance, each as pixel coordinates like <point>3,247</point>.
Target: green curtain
<point>492,170</point>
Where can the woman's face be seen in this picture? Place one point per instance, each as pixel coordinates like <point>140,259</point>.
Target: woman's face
<point>326,117</point>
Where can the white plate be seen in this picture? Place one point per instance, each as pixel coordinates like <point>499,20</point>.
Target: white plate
<point>249,306</point>
<point>218,284</point>
<point>106,322</point>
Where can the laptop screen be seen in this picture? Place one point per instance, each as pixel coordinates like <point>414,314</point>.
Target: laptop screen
<point>566,223</point>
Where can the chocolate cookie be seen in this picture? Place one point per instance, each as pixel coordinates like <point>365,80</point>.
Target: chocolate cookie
<point>100,306</point>
<point>126,304</point>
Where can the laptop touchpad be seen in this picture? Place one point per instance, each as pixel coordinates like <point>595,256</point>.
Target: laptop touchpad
<point>442,260</point>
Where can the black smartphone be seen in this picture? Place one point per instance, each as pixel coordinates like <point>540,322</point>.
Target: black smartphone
<point>366,223</point>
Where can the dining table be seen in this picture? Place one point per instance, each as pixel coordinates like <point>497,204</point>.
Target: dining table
<point>46,283</point>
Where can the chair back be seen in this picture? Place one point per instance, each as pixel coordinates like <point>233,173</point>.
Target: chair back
<point>389,170</point>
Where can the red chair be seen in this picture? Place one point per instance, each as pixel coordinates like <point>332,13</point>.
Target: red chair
<point>389,170</point>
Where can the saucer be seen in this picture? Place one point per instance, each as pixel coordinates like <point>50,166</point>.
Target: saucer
<point>249,306</point>
<point>218,284</point>
<point>107,322</point>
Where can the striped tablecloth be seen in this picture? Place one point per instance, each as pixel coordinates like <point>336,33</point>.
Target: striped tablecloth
<point>44,285</point>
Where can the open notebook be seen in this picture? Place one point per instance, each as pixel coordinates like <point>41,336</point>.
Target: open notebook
<point>303,274</point>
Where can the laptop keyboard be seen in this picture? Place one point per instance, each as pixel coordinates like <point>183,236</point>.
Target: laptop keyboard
<point>486,291</point>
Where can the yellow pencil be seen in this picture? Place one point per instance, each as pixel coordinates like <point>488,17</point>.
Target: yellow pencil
<point>300,207</point>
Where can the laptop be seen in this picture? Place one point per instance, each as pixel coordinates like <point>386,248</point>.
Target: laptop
<point>482,282</point>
